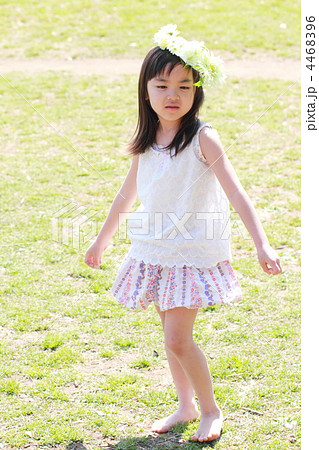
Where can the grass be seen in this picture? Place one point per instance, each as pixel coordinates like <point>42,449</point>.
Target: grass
<point>97,28</point>
<point>75,366</point>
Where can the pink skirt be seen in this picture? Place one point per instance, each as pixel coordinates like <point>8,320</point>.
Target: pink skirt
<point>138,284</point>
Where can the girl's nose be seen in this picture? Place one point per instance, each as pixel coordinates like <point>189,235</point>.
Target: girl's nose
<point>172,95</point>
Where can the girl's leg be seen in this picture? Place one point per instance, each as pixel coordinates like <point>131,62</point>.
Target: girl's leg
<point>178,329</point>
<point>187,410</point>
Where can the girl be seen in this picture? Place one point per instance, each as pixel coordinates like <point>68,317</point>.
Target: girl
<point>180,251</point>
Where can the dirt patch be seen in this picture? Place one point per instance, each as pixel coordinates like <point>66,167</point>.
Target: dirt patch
<point>263,66</point>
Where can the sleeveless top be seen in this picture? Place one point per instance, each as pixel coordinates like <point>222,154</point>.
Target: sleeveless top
<point>184,214</point>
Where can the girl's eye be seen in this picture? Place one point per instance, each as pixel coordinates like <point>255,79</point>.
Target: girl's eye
<point>161,87</point>
<point>185,88</point>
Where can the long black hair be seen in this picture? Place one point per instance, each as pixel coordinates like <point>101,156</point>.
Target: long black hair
<point>156,62</point>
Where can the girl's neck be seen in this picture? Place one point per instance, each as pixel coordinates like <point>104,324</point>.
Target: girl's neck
<point>166,133</point>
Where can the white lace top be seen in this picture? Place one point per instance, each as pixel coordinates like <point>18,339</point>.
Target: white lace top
<point>183,218</point>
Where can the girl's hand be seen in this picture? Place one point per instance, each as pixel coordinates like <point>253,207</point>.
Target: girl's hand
<point>269,260</point>
<point>93,256</point>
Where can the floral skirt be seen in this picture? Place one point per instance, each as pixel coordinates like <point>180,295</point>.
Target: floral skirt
<point>138,284</point>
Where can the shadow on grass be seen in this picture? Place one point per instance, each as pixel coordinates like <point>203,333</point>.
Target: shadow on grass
<point>75,445</point>
<point>165,441</point>
<point>169,441</point>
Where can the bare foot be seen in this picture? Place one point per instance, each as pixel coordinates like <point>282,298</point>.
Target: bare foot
<point>181,415</point>
<point>210,427</point>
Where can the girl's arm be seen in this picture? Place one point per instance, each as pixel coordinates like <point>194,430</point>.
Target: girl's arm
<point>122,204</point>
<point>220,164</point>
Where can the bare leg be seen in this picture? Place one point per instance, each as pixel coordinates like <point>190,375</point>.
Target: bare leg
<point>178,329</point>
<point>187,410</point>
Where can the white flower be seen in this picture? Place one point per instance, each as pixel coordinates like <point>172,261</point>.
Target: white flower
<point>175,45</point>
<point>192,53</point>
<point>165,35</point>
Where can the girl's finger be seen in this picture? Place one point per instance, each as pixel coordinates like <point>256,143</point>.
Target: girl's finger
<point>275,268</point>
<point>265,267</point>
<point>90,261</point>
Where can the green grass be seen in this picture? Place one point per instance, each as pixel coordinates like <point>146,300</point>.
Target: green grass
<point>76,365</point>
<point>97,28</point>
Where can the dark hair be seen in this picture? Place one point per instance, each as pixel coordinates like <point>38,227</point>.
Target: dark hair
<point>156,62</point>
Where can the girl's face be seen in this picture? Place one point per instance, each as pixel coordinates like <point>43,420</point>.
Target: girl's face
<point>171,95</point>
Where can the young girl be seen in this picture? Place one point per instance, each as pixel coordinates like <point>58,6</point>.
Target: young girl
<point>180,251</point>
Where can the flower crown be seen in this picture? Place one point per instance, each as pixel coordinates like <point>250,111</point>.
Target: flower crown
<point>192,53</point>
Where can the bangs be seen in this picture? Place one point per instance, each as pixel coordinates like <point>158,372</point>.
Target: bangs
<point>164,62</point>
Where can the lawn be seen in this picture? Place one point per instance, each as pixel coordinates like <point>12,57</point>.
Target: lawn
<point>98,28</point>
<point>76,367</point>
